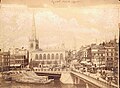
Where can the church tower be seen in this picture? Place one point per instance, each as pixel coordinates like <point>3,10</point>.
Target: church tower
<point>34,43</point>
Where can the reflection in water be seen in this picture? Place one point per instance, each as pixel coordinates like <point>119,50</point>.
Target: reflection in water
<point>54,84</point>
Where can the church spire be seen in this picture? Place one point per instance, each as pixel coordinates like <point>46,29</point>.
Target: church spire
<point>34,43</point>
<point>33,28</point>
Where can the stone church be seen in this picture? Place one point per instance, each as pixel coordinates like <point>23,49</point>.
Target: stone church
<point>44,59</point>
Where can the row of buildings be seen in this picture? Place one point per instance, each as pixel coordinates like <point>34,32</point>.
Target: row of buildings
<point>104,55</point>
<point>11,60</point>
<point>4,61</point>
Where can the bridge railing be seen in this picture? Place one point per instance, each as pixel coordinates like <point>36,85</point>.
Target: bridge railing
<point>46,70</point>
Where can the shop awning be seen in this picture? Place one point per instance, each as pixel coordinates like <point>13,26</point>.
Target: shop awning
<point>83,62</point>
<point>88,63</point>
<point>102,66</point>
<point>15,65</point>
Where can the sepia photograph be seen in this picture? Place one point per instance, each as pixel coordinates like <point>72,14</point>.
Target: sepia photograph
<point>59,43</point>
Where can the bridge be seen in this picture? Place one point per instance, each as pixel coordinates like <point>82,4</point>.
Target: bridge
<point>90,80</point>
<point>54,74</point>
<point>76,77</point>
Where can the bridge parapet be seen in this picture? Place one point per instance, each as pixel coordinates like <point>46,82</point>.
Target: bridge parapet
<point>51,71</point>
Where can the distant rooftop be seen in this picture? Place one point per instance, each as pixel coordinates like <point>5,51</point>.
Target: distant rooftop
<point>4,53</point>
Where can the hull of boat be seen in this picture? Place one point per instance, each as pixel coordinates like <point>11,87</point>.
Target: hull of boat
<point>34,82</point>
<point>27,77</point>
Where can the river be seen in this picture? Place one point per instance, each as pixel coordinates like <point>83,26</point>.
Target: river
<point>54,84</point>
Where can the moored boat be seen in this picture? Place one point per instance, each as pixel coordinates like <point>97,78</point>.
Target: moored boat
<point>27,77</point>
<point>6,76</point>
<point>31,81</point>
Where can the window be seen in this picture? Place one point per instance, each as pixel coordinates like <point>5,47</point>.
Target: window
<point>44,56</point>
<point>57,56</point>
<point>48,56</point>
<point>96,54</point>
<point>40,56</point>
<point>36,56</point>
<point>111,58</point>
<point>109,54</point>
<point>52,56</point>
<point>109,49</point>
<point>101,54</point>
<point>61,56</point>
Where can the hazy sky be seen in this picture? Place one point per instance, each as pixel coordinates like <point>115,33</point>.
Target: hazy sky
<point>72,25</point>
<point>61,3</point>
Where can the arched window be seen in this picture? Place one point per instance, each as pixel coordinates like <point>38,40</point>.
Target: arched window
<point>36,56</point>
<point>57,56</point>
<point>52,56</point>
<point>48,56</point>
<point>44,56</point>
<point>61,56</point>
<point>40,56</point>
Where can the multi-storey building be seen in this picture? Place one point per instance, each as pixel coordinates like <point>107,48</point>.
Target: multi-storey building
<point>98,55</point>
<point>4,61</point>
<point>47,58</point>
<point>116,61</point>
<point>19,59</point>
<point>111,54</point>
<point>85,53</point>
<point>103,55</point>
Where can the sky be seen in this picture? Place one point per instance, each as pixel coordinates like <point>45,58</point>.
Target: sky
<point>60,3</point>
<point>73,26</point>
